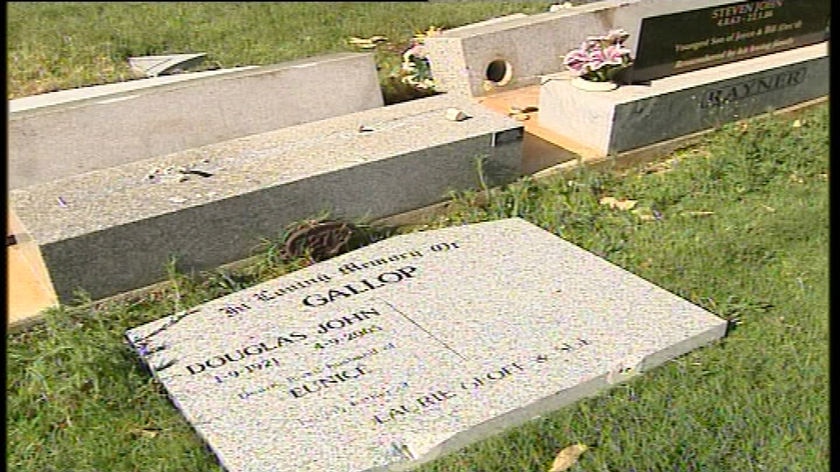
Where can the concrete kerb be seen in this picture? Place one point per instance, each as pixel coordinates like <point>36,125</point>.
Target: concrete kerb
<point>78,96</point>
<point>114,229</point>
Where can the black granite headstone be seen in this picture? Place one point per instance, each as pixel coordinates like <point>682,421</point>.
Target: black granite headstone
<point>696,39</point>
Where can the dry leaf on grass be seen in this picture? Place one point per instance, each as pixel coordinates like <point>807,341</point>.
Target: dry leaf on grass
<point>616,203</point>
<point>567,457</point>
<point>644,214</point>
<point>145,432</point>
<point>698,213</point>
<point>432,31</point>
<point>366,43</point>
<point>660,167</point>
<point>797,123</point>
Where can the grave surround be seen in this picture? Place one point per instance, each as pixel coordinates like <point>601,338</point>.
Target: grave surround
<point>388,356</point>
<point>113,230</point>
<point>508,32</point>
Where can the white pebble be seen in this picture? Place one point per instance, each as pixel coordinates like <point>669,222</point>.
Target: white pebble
<point>454,114</point>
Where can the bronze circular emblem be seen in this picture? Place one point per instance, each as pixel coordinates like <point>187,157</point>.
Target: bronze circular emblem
<point>323,239</point>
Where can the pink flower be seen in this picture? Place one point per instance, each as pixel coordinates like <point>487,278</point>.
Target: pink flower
<point>615,55</point>
<point>575,60</point>
<point>617,36</point>
<point>596,60</point>
<point>599,57</point>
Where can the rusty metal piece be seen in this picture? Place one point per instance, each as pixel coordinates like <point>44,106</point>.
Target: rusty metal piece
<point>322,239</point>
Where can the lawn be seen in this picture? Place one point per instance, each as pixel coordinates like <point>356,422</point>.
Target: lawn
<point>737,224</point>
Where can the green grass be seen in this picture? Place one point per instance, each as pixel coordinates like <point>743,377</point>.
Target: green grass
<point>55,46</point>
<point>77,398</point>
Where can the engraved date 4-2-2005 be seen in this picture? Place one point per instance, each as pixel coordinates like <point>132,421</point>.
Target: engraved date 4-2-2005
<point>347,337</point>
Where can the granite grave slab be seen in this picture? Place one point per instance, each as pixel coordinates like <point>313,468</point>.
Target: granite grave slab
<point>113,230</point>
<point>391,355</point>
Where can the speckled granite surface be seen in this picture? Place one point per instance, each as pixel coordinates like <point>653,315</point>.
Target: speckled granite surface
<point>387,356</point>
<point>112,230</point>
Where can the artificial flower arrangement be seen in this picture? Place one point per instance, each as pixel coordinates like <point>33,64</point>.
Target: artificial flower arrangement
<point>415,67</point>
<point>416,70</point>
<point>600,58</point>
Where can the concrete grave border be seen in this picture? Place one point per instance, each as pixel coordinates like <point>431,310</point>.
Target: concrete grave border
<point>573,154</point>
<point>113,230</point>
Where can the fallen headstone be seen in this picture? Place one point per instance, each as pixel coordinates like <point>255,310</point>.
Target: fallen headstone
<point>390,355</point>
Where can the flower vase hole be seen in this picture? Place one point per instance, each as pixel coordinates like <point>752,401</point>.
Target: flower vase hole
<point>593,86</point>
<point>499,72</point>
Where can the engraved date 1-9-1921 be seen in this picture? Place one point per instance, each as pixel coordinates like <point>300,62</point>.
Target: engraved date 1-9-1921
<point>347,337</point>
